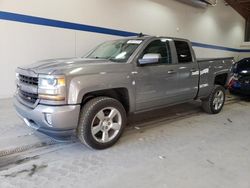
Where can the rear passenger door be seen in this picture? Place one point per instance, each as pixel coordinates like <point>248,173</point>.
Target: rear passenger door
<point>188,71</point>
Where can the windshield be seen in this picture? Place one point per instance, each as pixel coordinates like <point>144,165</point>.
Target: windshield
<point>118,51</point>
<point>243,64</point>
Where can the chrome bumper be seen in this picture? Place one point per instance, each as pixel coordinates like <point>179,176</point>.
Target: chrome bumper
<point>64,118</point>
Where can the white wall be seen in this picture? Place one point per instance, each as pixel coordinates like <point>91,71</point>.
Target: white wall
<point>22,43</point>
<point>244,46</point>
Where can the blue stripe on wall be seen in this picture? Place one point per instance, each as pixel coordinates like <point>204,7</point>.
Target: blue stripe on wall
<point>81,27</point>
<point>61,24</point>
<point>196,44</point>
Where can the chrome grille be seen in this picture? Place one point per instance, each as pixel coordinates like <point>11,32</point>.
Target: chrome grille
<point>27,88</point>
<point>29,97</point>
<point>28,80</point>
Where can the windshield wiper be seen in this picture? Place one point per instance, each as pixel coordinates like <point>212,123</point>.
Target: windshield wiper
<point>106,58</point>
<point>97,57</point>
<point>115,60</point>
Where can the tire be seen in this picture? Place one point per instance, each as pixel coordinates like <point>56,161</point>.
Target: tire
<point>101,124</point>
<point>209,104</point>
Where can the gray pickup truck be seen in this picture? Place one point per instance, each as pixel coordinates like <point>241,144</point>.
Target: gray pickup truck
<point>92,96</point>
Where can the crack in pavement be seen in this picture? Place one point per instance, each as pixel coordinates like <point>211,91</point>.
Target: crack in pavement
<point>11,161</point>
<point>8,162</point>
<point>35,168</point>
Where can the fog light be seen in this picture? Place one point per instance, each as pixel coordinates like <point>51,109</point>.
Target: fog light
<point>48,118</point>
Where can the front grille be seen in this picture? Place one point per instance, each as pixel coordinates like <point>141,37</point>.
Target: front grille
<point>28,80</point>
<point>29,97</point>
<point>27,88</point>
<point>244,79</point>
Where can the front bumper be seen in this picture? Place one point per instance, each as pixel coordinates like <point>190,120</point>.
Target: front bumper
<point>64,118</point>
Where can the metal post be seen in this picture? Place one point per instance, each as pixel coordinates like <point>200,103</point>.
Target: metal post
<point>247,32</point>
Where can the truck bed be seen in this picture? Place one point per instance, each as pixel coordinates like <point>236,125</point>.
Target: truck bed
<point>209,69</point>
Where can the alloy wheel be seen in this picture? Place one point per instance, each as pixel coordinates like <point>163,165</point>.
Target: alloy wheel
<point>218,100</point>
<point>106,124</point>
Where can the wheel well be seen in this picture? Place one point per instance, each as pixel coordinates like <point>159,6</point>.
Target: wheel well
<point>120,94</point>
<point>221,79</point>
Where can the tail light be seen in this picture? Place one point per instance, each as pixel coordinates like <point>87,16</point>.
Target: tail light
<point>234,79</point>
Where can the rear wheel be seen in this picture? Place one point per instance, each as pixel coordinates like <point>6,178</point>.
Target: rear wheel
<point>101,123</point>
<point>215,101</point>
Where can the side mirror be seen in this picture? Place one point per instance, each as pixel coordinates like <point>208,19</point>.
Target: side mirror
<point>150,59</point>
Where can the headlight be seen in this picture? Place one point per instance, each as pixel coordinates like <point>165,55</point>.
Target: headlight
<point>47,82</point>
<point>51,87</point>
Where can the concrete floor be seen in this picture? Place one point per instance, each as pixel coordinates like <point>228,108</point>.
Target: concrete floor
<point>173,147</point>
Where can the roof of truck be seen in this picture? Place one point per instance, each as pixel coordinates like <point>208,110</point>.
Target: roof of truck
<point>148,36</point>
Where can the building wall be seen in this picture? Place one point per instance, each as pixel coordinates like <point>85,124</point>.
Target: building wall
<point>23,43</point>
<point>245,46</point>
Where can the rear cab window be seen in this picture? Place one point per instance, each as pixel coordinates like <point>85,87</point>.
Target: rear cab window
<point>183,51</point>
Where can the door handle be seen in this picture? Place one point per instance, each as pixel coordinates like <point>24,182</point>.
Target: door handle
<point>171,72</point>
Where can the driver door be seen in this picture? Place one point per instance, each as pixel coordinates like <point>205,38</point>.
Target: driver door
<point>156,83</point>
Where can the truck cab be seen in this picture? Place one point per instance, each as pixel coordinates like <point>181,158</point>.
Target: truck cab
<point>169,77</point>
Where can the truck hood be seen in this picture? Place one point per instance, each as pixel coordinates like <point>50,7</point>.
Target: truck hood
<point>71,66</point>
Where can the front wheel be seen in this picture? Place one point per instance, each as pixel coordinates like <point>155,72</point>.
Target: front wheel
<point>101,123</point>
<point>215,101</point>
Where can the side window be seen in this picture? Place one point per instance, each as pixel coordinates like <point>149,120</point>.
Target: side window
<point>183,52</point>
<point>159,47</point>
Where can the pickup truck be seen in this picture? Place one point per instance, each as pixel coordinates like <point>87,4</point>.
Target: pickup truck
<point>92,96</point>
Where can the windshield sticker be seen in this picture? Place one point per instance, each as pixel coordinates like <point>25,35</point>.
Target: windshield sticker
<point>134,42</point>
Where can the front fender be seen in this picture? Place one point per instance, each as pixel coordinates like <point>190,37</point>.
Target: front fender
<point>83,84</point>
